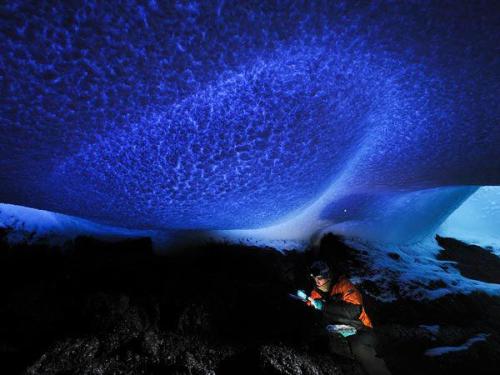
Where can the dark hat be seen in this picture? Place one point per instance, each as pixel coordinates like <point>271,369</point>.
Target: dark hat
<point>320,268</point>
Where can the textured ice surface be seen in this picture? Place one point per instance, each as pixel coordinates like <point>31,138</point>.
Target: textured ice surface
<point>219,115</point>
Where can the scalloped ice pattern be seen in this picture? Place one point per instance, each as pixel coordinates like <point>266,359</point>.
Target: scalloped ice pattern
<point>218,115</point>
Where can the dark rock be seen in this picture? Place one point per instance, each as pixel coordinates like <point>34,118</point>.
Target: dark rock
<point>196,317</point>
<point>394,256</point>
<point>480,358</point>
<point>370,287</point>
<point>342,259</point>
<point>190,354</point>
<point>212,310</point>
<point>282,360</point>
<point>70,356</point>
<point>472,261</point>
<point>85,246</point>
<point>436,284</point>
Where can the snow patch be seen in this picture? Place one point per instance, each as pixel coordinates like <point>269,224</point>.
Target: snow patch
<point>449,349</point>
<point>434,329</point>
<point>33,226</point>
<point>416,271</point>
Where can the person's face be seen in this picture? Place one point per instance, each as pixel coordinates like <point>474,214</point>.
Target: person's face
<point>320,280</point>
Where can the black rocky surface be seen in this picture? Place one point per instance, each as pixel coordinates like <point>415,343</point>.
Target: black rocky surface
<point>105,308</point>
<point>472,261</point>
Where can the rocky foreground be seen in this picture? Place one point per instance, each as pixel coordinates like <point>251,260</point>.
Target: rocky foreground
<point>118,309</point>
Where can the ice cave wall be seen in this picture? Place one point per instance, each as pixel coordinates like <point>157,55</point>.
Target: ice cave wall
<point>284,118</point>
<point>477,220</point>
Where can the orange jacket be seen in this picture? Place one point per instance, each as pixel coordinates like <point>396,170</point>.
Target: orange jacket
<point>345,291</point>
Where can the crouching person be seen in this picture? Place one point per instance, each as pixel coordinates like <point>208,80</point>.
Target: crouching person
<point>341,304</point>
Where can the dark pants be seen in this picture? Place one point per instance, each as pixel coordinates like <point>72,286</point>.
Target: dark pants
<point>363,346</point>
<point>359,347</point>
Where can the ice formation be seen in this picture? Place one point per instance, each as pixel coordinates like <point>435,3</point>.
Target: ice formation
<point>477,220</point>
<point>32,226</point>
<point>269,120</point>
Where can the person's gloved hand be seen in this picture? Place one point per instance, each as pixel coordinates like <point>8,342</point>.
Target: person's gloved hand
<point>302,295</point>
<point>317,304</point>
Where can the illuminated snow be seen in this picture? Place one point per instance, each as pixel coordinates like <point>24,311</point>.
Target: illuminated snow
<point>414,270</point>
<point>32,226</point>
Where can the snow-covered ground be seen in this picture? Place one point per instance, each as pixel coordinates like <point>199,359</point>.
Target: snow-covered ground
<point>33,226</point>
<point>29,225</point>
<point>415,268</point>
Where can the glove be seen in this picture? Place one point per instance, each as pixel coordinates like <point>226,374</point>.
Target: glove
<point>302,295</point>
<point>317,304</point>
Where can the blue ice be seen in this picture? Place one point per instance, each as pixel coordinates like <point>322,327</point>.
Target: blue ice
<point>281,118</point>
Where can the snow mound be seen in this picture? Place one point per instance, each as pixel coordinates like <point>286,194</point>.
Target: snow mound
<point>32,226</point>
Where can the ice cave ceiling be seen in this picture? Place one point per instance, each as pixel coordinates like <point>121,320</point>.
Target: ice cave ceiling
<point>225,115</point>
